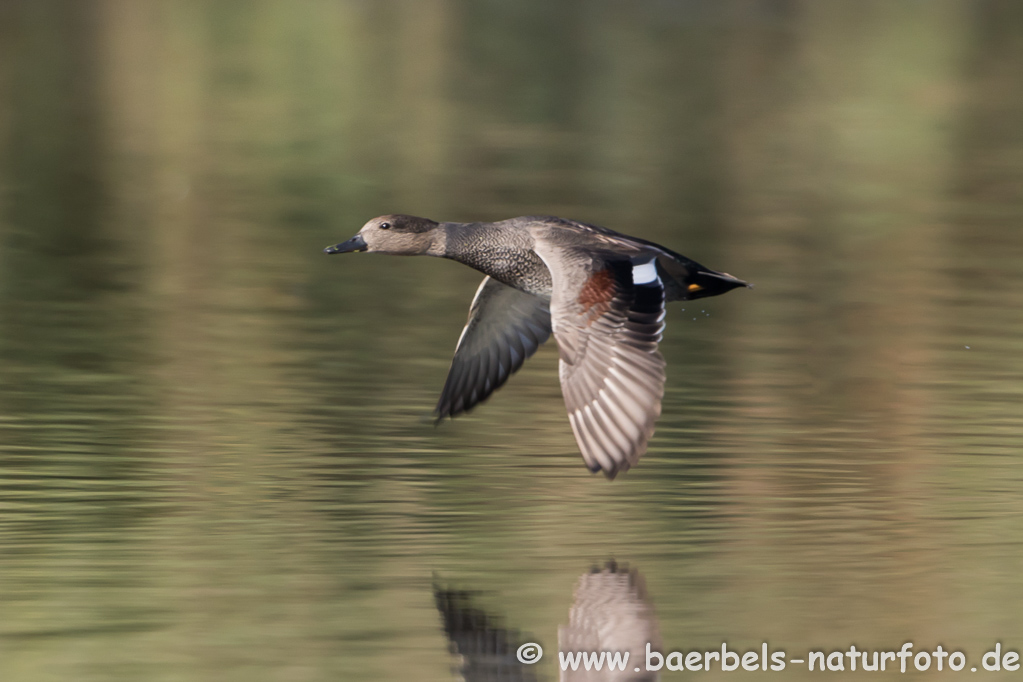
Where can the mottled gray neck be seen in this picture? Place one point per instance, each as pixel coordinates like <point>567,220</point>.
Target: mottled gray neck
<point>475,244</point>
<point>502,251</point>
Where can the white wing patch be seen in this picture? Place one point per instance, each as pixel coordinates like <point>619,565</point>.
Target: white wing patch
<point>645,273</point>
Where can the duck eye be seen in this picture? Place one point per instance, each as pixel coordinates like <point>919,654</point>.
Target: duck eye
<point>385,226</point>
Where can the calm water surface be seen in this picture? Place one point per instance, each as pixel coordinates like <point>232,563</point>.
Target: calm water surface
<point>216,461</point>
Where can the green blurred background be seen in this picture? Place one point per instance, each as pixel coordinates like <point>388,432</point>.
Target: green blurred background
<point>214,461</point>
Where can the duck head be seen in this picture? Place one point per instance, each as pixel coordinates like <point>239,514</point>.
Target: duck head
<point>403,235</point>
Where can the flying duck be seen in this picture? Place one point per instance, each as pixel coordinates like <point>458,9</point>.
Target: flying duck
<point>602,293</point>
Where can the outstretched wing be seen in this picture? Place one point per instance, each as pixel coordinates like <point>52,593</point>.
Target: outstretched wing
<point>608,316</point>
<point>505,327</point>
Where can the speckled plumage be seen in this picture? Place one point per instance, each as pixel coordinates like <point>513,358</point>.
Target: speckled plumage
<point>601,293</point>
<point>504,251</point>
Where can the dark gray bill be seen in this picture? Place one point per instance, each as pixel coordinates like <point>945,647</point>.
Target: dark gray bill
<point>356,243</point>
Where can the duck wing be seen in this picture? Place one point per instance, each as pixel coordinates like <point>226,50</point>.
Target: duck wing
<point>505,327</point>
<point>608,316</point>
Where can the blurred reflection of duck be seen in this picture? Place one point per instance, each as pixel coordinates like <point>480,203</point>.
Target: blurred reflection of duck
<point>601,292</point>
<point>611,611</point>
